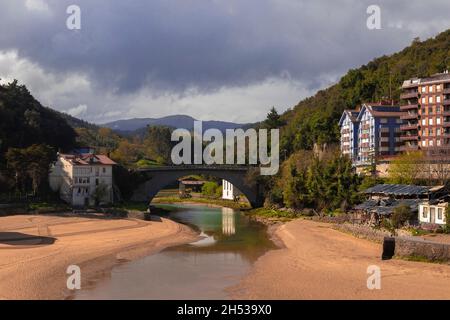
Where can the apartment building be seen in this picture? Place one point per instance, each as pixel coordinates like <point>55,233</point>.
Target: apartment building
<point>349,133</point>
<point>79,177</point>
<point>379,132</point>
<point>426,126</point>
<point>371,133</point>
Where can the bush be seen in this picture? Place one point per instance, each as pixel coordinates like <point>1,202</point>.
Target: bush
<point>401,215</point>
<point>209,189</point>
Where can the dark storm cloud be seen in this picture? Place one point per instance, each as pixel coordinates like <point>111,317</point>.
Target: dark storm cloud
<point>173,44</point>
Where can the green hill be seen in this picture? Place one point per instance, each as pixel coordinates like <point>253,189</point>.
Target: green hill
<point>24,122</point>
<point>314,120</point>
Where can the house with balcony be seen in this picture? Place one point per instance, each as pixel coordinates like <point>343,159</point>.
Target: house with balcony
<point>426,103</point>
<point>378,132</point>
<point>349,133</point>
<point>83,179</point>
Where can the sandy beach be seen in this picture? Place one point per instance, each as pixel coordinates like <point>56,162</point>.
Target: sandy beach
<point>319,262</point>
<point>35,251</point>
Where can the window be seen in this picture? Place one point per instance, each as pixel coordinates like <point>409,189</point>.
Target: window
<point>438,99</point>
<point>438,120</point>
<point>438,142</point>
<point>438,108</point>
<point>424,122</point>
<point>431,88</point>
<point>438,87</point>
<point>430,99</point>
<point>430,122</point>
<point>424,89</point>
<point>438,131</point>
<point>104,170</point>
<point>424,100</point>
<point>424,143</point>
<point>439,210</point>
<point>425,212</point>
<point>431,143</point>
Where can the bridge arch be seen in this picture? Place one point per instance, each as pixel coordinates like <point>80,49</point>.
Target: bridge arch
<point>159,177</point>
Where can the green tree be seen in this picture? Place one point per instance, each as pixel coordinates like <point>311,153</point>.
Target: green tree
<point>158,144</point>
<point>273,120</point>
<point>34,163</point>
<point>209,189</point>
<point>406,168</point>
<point>100,193</point>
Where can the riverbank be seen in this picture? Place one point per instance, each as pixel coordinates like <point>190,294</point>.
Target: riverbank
<point>318,262</point>
<point>35,250</point>
<point>214,203</point>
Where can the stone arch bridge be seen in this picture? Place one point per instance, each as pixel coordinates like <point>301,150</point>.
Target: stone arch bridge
<point>159,177</point>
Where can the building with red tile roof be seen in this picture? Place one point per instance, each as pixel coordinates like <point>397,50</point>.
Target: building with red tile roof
<point>83,179</point>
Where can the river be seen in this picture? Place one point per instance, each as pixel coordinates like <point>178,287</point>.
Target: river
<point>200,270</point>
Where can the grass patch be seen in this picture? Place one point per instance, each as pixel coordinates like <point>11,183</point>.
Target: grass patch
<point>419,232</point>
<point>206,201</point>
<point>419,258</point>
<point>49,207</point>
<point>273,213</point>
<point>132,206</point>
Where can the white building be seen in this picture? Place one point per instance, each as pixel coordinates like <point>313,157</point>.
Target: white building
<point>432,213</point>
<point>79,177</point>
<point>229,192</point>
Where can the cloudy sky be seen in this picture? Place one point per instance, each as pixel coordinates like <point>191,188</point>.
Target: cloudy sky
<point>212,59</point>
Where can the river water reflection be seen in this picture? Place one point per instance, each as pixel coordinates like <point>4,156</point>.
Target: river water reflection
<point>199,270</point>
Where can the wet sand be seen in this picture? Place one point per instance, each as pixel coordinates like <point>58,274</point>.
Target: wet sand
<point>319,262</point>
<point>35,251</point>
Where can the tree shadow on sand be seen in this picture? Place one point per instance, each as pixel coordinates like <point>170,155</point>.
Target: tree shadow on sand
<point>22,239</point>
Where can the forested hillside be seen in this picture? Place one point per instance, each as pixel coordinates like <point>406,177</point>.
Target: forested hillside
<point>323,179</point>
<point>315,119</point>
<point>24,122</point>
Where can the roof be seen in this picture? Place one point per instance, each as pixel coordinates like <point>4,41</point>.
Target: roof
<point>386,207</point>
<point>351,114</point>
<point>438,77</point>
<point>87,159</point>
<point>192,182</point>
<point>381,110</point>
<point>402,189</point>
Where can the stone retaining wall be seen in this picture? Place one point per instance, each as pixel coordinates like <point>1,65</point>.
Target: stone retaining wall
<point>418,248</point>
<point>364,232</point>
<point>405,247</point>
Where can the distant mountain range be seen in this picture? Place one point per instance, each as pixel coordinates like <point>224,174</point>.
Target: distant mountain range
<point>176,121</point>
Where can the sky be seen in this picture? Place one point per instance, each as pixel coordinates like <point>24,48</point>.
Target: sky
<point>228,60</point>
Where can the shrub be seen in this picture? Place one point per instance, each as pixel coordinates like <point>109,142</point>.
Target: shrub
<point>401,215</point>
<point>209,189</point>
